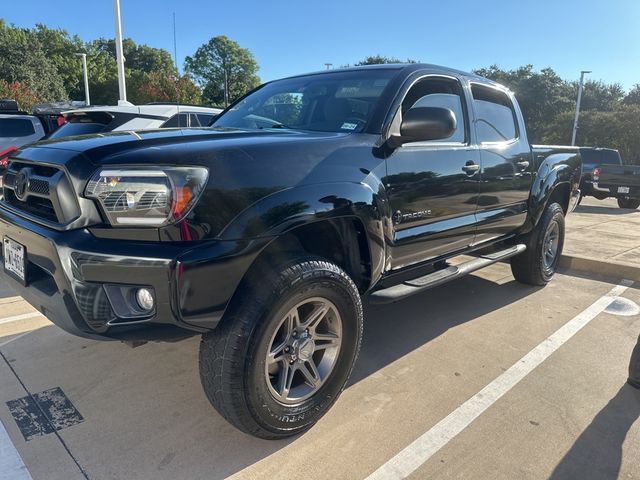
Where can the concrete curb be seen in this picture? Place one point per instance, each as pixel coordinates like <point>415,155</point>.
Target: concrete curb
<point>607,268</point>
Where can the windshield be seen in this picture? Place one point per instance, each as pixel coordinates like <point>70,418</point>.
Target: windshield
<point>331,102</point>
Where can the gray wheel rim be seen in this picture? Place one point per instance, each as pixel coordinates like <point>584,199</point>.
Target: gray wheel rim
<point>303,350</point>
<point>550,245</point>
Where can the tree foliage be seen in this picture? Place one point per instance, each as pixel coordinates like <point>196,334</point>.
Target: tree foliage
<point>381,59</point>
<point>23,60</point>
<point>163,86</point>
<point>222,61</point>
<point>17,91</point>
<point>608,117</point>
<point>44,61</point>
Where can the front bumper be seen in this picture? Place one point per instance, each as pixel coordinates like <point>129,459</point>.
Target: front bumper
<point>69,274</point>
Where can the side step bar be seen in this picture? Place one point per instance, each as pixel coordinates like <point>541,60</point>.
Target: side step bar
<point>420,284</point>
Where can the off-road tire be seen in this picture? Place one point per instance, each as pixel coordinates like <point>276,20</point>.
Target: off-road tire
<point>233,357</point>
<point>529,267</point>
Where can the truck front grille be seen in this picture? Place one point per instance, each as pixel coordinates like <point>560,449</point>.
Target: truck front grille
<point>41,192</point>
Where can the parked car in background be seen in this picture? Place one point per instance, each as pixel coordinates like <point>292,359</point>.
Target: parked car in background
<point>18,128</point>
<point>264,232</point>
<point>102,119</point>
<point>605,175</point>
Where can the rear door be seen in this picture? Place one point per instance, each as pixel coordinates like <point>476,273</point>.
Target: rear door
<point>507,163</point>
<point>433,186</point>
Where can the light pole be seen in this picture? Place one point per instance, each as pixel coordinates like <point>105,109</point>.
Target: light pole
<point>575,122</point>
<point>119,56</point>
<point>85,74</point>
<point>328,65</point>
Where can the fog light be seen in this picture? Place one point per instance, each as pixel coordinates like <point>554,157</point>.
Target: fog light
<point>144,297</point>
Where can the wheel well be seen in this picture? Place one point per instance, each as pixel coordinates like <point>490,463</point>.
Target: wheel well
<point>342,241</point>
<point>561,196</point>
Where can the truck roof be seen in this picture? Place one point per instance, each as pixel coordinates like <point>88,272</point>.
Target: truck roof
<point>408,68</point>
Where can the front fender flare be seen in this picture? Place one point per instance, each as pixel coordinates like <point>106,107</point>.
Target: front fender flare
<point>291,208</point>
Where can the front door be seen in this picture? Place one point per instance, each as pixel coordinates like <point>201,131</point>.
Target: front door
<point>433,186</point>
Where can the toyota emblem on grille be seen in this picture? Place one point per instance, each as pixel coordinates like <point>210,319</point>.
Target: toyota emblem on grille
<point>21,183</point>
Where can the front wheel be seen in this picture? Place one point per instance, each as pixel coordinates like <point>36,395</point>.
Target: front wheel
<point>538,264</point>
<point>284,352</point>
<point>631,203</point>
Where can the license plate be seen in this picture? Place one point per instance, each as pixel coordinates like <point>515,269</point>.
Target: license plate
<point>623,189</point>
<point>13,254</point>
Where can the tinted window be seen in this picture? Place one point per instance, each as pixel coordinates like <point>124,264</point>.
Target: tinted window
<point>328,102</point>
<point>590,158</point>
<point>495,118</point>
<point>201,119</point>
<point>178,120</point>
<point>70,129</point>
<point>16,127</point>
<point>443,93</point>
<point>611,157</point>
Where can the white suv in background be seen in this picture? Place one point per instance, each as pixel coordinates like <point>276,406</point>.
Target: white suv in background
<point>102,119</point>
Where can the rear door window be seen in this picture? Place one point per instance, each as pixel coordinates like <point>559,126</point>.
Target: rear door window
<point>16,127</point>
<point>495,117</point>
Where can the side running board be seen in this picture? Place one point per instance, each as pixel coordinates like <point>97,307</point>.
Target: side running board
<point>420,284</point>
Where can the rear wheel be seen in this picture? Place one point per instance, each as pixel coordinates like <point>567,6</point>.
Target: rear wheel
<point>538,264</point>
<point>285,351</point>
<point>631,203</point>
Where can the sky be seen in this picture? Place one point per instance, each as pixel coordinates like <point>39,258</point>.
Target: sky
<point>290,37</point>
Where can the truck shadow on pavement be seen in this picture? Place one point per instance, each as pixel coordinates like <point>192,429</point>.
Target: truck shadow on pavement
<point>603,210</point>
<point>392,331</point>
<point>597,453</point>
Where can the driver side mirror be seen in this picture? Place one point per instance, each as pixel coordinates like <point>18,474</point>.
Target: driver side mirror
<point>421,124</point>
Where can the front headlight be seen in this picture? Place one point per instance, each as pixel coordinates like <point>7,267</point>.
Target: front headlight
<point>146,196</point>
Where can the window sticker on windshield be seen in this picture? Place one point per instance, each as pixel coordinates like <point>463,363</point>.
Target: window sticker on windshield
<point>349,126</point>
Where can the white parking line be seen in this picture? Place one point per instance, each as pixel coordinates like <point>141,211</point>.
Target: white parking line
<point>11,465</point>
<point>23,316</point>
<point>13,339</point>
<point>424,447</point>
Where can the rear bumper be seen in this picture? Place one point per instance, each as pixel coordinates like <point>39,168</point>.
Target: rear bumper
<point>612,190</point>
<point>70,274</point>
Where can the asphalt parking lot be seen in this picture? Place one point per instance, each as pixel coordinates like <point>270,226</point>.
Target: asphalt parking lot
<point>411,404</point>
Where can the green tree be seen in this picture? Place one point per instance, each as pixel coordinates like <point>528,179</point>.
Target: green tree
<point>380,59</point>
<point>161,86</point>
<point>137,57</point>
<point>61,50</point>
<point>542,95</point>
<point>597,95</point>
<point>23,60</point>
<point>633,97</point>
<point>224,69</point>
<point>619,129</point>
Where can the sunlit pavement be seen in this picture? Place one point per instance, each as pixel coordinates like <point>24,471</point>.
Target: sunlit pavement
<point>141,413</point>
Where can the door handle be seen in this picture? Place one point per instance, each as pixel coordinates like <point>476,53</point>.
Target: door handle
<point>471,168</point>
<point>523,164</point>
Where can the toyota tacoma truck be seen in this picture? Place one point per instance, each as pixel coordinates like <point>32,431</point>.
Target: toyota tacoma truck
<point>264,233</point>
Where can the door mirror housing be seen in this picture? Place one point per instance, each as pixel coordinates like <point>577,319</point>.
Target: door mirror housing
<point>422,124</point>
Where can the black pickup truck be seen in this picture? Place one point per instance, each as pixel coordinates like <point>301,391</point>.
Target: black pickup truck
<point>605,175</point>
<point>264,232</point>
